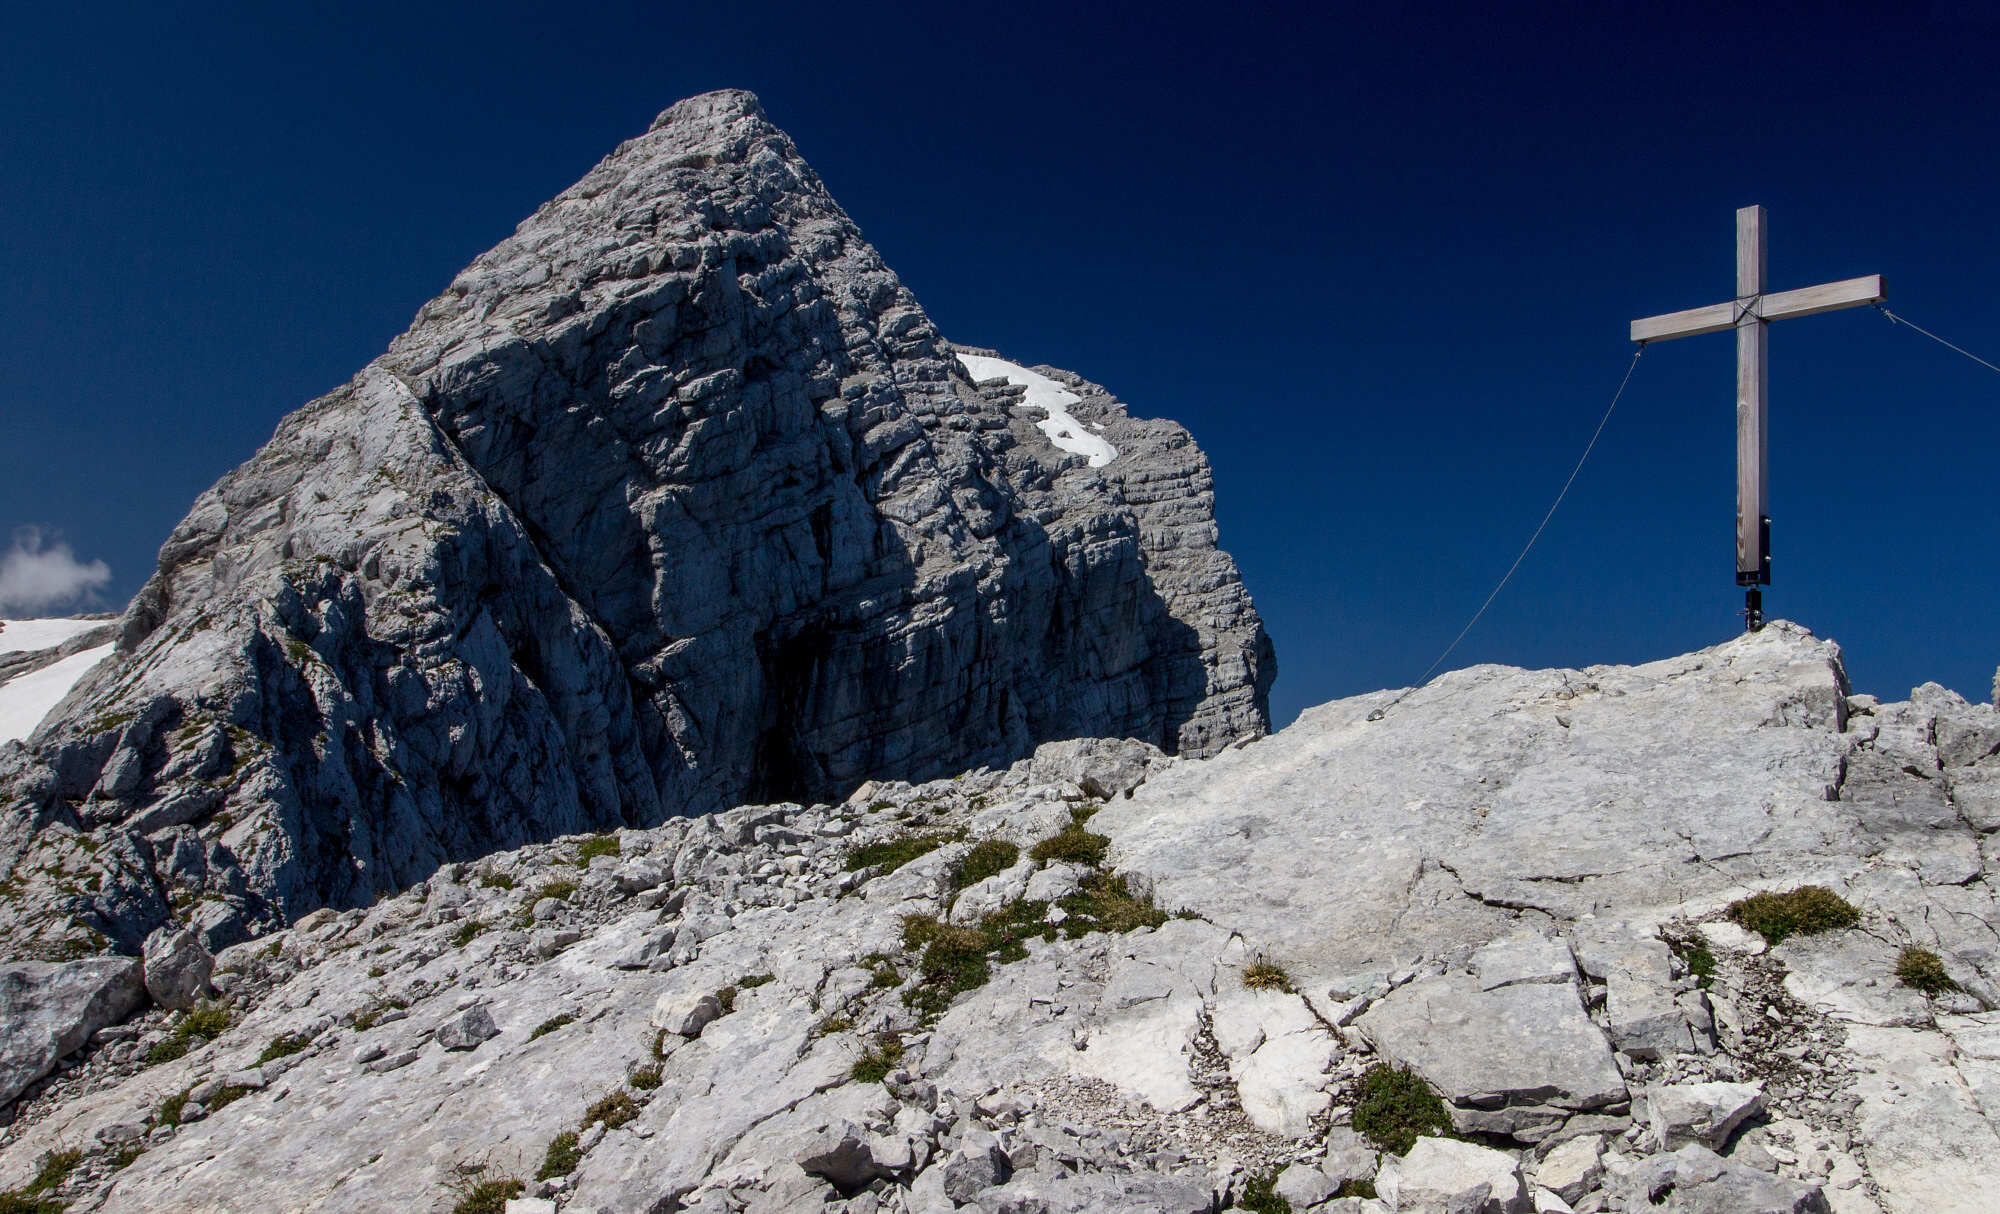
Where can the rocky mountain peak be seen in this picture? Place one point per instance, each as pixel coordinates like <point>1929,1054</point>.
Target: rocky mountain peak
<point>674,499</point>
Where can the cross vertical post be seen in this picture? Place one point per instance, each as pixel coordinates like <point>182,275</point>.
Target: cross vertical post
<point>1753,392</point>
<point>1751,314</point>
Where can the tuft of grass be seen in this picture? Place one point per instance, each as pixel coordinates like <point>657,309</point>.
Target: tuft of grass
<point>1103,903</point>
<point>124,1156</point>
<point>1259,1194</point>
<point>832,1025</point>
<point>15,1202</point>
<point>660,1046</point>
<point>1694,953</point>
<point>894,853</point>
<point>55,1169</point>
<point>551,1025</point>
<point>560,890</point>
<point>205,1022</point>
<point>1353,1187</point>
<point>988,859</point>
<point>727,998</point>
<point>562,1157</point>
<point>1075,844</point>
<point>283,1046</point>
<point>595,846</point>
<point>614,1110</point>
<point>167,1051</point>
<point>1008,929</point>
<point>376,971</point>
<point>954,961</point>
<point>169,1112</point>
<point>754,981</point>
<point>918,930</point>
<point>1805,911</point>
<point>497,881</point>
<point>488,1196</point>
<point>646,1078</point>
<point>367,1017</point>
<point>879,1059</point>
<point>1397,1107</point>
<point>467,932</point>
<point>1923,970</point>
<point>1263,976</point>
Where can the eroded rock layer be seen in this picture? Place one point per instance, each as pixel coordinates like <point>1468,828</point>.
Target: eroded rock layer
<point>675,499</point>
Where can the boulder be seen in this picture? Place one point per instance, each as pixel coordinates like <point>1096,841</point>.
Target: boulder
<point>1636,968</point>
<point>1573,1168</point>
<point>685,1014</point>
<point>840,1154</point>
<point>1304,1186</point>
<point>644,949</point>
<point>1101,767</point>
<point>1349,1156</point>
<point>1695,1180</point>
<point>1058,880</point>
<point>1524,1045</point>
<point>49,1009</point>
<point>639,874</point>
<point>465,1030</point>
<point>177,967</point>
<point>1705,1113</point>
<point>1444,1175</point>
<point>978,1164</point>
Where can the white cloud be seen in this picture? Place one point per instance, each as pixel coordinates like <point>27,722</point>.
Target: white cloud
<point>36,579</point>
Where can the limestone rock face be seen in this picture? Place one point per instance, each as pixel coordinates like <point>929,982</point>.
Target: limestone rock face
<point>675,499</point>
<point>47,1011</point>
<point>1473,887</point>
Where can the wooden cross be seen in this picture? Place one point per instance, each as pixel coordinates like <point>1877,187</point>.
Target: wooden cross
<point>1748,314</point>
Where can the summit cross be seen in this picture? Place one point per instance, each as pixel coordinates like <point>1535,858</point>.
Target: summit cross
<point>1749,314</point>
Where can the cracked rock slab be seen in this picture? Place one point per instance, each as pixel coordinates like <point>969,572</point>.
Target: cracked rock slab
<point>1529,1044</point>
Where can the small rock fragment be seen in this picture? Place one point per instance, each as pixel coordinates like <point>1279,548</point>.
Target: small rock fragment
<point>685,1014</point>
<point>1574,1168</point>
<point>1705,1113</point>
<point>465,1030</point>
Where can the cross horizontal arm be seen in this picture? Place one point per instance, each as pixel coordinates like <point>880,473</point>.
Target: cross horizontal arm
<point>1779,305</point>
<point>1826,297</point>
<point>1691,323</point>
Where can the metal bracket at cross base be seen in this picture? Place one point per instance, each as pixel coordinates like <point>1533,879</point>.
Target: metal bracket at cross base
<point>1753,610</point>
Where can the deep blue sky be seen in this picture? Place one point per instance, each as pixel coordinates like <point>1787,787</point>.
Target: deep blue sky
<point>1379,259</point>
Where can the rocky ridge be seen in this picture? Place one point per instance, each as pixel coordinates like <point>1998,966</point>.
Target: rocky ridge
<point>674,500</point>
<point>1186,982</point>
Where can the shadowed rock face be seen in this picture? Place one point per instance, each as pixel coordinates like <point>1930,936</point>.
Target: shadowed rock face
<point>675,499</point>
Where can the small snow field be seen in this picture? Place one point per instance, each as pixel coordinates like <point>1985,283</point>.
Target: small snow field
<point>1046,394</point>
<point>26,699</point>
<point>22,636</point>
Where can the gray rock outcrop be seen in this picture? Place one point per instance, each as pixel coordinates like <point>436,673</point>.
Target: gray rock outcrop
<point>49,1010</point>
<point>675,499</point>
<point>1108,1055</point>
<point>177,967</point>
